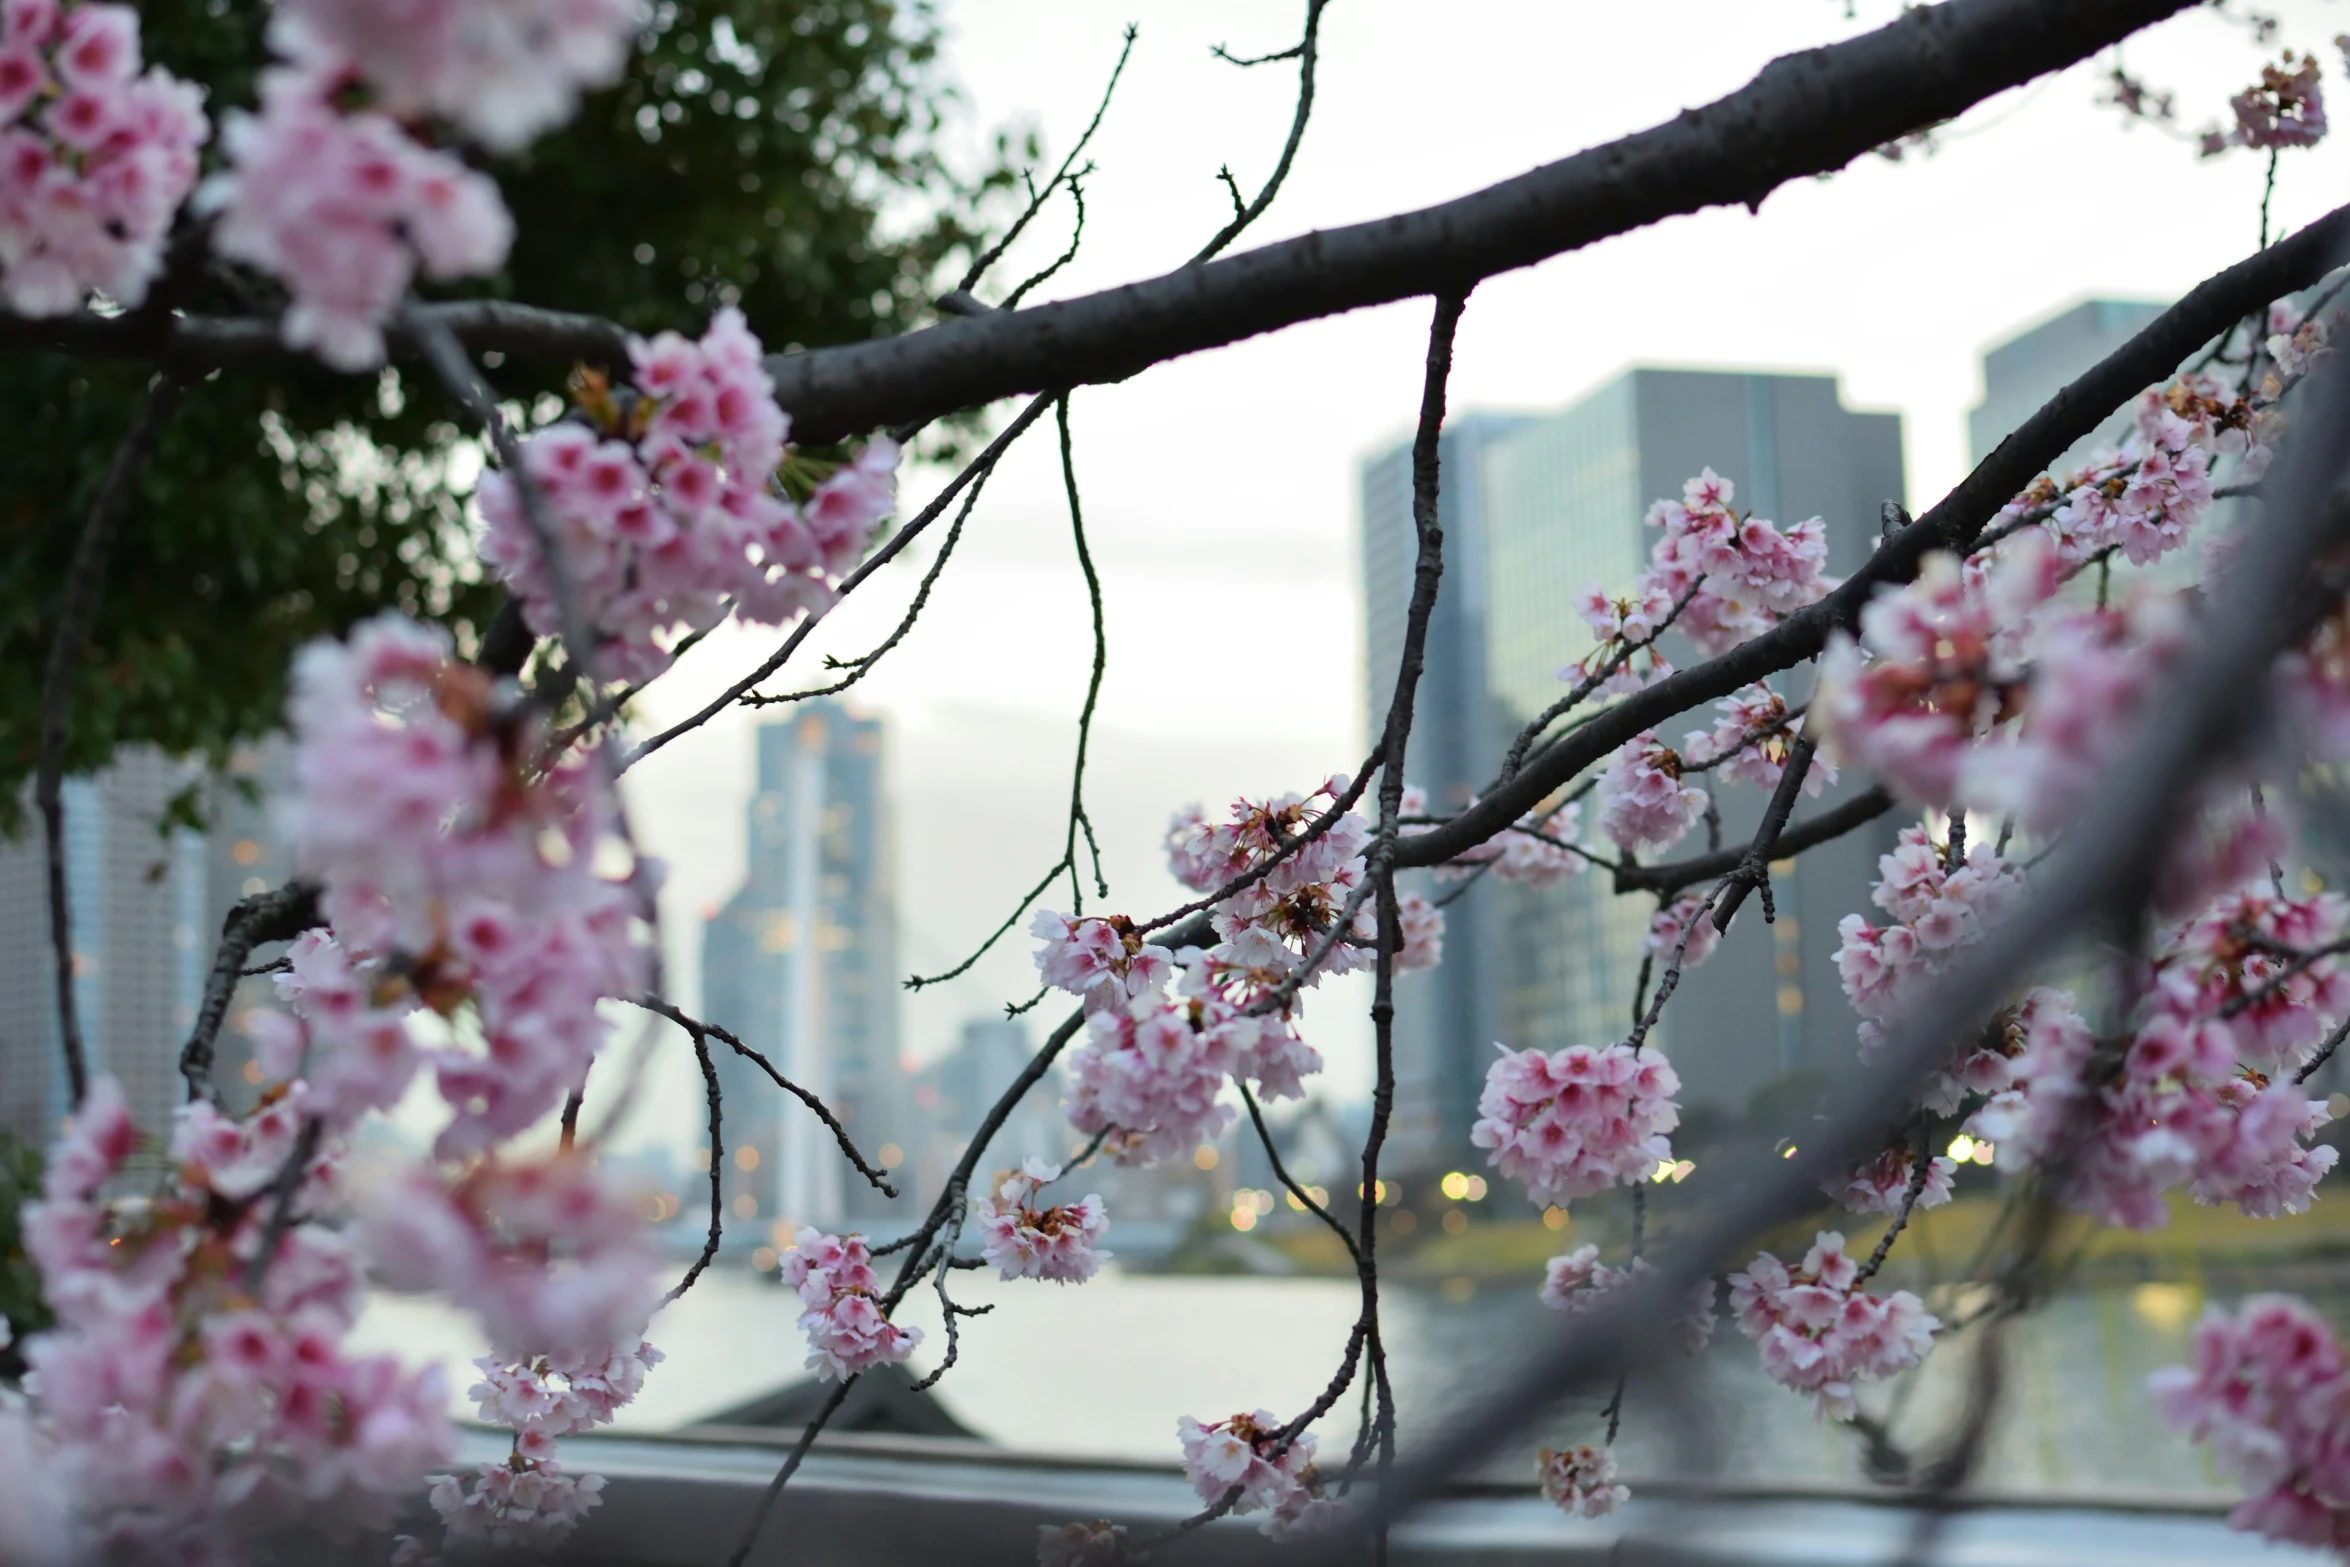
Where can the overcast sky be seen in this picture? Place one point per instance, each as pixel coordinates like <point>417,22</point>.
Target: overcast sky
<point>1219,490</point>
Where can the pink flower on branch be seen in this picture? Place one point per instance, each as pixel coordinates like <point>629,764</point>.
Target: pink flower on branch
<point>1644,801</point>
<point>1582,1480</point>
<point>1579,1120</point>
<point>1060,1242</point>
<point>1820,1331</point>
<point>847,1334</point>
<point>96,157</point>
<point>1241,1452</point>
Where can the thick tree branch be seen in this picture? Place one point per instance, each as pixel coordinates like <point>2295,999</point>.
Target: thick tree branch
<point>1805,114</point>
<point>1673,875</point>
<point>280,914</point>
<point>200,343</point>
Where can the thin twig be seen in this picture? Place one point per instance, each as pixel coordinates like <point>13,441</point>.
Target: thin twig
<point>1307,54</point>
<point>280,914</point>
<point>791,1465</point>
<point>1305,1199</point>
<point>717,1171</point>
<point>1093,686</point>
<point>1038,198</point>
<point>77,606</point>
<point>1754,871</point>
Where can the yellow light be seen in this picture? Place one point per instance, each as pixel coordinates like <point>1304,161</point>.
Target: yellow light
<point>1321,1194</point>
<point>892,1156</point>
<point>764,1259</point>
<point>1789,1153</point>
<point>2166,1306</point>
<point>1554,1219</point>
<point>1244,1219</point>
<point>1477,1188</point>
<point>253,1072</point>
<point>1204,1157</point>
<point>746,1158</point>
<point>746,1206</point>
<point>1455,1185</point>
<point>1261,1201</point>
<point>1983,1152</point>
<point>1294,1204</point>
<point>1962,1148</point>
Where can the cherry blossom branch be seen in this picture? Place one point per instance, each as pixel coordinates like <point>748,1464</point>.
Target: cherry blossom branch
<point>1954,524</point>
<point>2103,878</point>
<point>1754,868</point>
<point>1673,875</point>
<point>710,1091</point>
<point>77,604</point>
<point>840,1134</point>
<point>984,462</point>
<point>1093,686</point>
<point>1804,114</point>
<point>1339,806</point>
<point>2300,961</point>
<point>280,914</point>
<point>1306,54</point>
<point>1281,1173</point>
<point>1591,682</point>
<point>791,1466</point>
<point>282,1191</point>
<point>1921,1169</point>
<point>862,665</point>
<point>1046,273</point>
<point>197,344</point>
<point>2325,1052</point>
<point>1672,975</point>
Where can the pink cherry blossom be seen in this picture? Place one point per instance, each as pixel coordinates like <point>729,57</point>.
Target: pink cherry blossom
<point>96,157</point>
<point>1102,960</point>
<point>2234,963</point>
<point>1882,1184</point>
<point>1669,924</point>
<point>502,70</point>
<point>2266,1392</point>
<point>1574,1282</point>
<point>561,1392</point>
<point>1625,657</point>
<point>1240,1452</point>
<point>1582,1480</point>
<point>1089,1544</point>
<point>1752,739</point>
<point>1644,801</point>
<point>847,1333</point>
<point>1740,574</point>
<point>551,1254</point>
<point>2285,108</point>
<point>516,1503</point>
<point>1579,1120</point>
<point>1025,1241</point>
<point>1534,851</point>
<point>1154,1069</point>
<point>344,210</point>
<point>1820,1331</point>
<point>668,506</point>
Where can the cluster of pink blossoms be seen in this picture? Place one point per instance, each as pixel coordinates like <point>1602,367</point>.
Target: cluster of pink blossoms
<point>665,501</point>
<point>457,871</point>
<point>847,1333</point>
<point>1937,909</point>
<point>1574,1282</point>
<point>1579,1120</point>
<point>1645,802</point>
<point>1023,1241</point>
<point>1582,1480</point>
<point>552,1257</point>
<point>1240,1452</point>
<point>2269,1392</point>
<point>1740,574</point>
<point>1625,656</point>
<point>95,156</point>
<point>330,190</point>
<point>1531,853</point>
<point>1752,740</point>
<point>1882,1184</point>
<point>2239,963</point>
<point>1820,1331</point>
<point>1102,959</point>
<point>527,1498</point>
<point>180,1410</point>
<point>2285,108</point>
<point>502,71</point>
<point>2145,499</point>
<point>1152,1072</point>
<point>2177,1114</point>
<point>1945,661</point>
<point>1670,924</point>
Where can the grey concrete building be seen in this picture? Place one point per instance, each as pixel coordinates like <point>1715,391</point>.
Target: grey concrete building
<point>2026,370</point>
<point>147,899</point>
<point>802,964</point>
<point>1537,510</point>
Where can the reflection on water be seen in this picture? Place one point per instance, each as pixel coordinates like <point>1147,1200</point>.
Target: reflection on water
<point>1105,1369</point>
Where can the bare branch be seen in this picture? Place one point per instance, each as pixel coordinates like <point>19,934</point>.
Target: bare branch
<point>717,1170</point>
<point>1306,54</point>
<point>77,605</point>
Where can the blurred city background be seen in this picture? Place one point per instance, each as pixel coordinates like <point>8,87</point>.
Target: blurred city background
<point>1251,510</point>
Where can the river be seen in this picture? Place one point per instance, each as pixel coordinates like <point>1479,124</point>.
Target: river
<point>1107,1367</point>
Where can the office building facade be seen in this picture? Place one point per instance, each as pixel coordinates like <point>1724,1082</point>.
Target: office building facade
<point>147,900</point>
<point>801,964</point>
<point>1544,508</point>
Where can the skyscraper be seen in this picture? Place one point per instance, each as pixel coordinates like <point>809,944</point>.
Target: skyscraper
<point>148,899</point>
<point>2029,368</point>
<point>801,964</point>
<point>1537,509</point>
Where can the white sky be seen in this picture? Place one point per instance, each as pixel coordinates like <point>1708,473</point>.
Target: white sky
<point>1219,490</point>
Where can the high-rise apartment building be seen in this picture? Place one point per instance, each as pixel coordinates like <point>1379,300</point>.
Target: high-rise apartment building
<point>1537,509</point>
<point>148,899</point>
<point>801,964</point>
